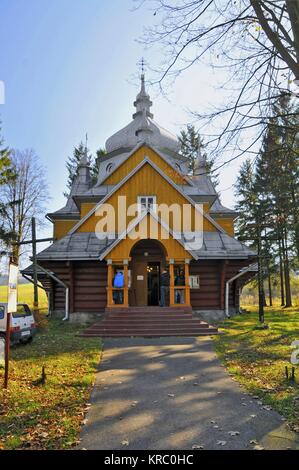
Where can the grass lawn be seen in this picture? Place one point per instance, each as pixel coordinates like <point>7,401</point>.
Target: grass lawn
<point>48,416</point>
<point>257,358</point>
<point>25,295</point>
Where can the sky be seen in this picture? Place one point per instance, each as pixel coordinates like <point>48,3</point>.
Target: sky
<point>70,67</point>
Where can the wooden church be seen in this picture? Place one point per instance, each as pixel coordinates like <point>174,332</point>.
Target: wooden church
<point>144,167</point>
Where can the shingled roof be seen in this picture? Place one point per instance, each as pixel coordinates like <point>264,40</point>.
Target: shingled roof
<point>83,246</point>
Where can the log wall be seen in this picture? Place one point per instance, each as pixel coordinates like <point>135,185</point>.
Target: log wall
<point>88,280</point>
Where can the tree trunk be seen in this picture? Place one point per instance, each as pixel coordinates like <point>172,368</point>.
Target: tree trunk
<point>288,295</point>
<point>281,273</point>
<point>270,288</point>
<point>293,11</point>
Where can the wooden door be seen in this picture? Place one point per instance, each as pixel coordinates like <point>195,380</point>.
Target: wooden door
<point>139,283</point>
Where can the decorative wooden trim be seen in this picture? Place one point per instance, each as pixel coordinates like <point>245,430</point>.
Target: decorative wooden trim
<point>171,286</point>
<point>126,287</point>
<point>109,286</point>
<point>187,284</point>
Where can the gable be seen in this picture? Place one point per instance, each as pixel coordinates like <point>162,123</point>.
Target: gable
<point>137,157</point>
<point>173,247</point>
<point>146,181</point>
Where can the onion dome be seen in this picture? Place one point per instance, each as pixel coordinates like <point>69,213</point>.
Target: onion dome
<point>143,128</point>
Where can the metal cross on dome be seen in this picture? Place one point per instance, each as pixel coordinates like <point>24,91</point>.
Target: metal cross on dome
<point>142,65</point>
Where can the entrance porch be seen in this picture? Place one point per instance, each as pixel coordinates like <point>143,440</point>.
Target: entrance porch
<point>142,275</point>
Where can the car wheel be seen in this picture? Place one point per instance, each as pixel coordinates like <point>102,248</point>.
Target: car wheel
<point>26,341</point>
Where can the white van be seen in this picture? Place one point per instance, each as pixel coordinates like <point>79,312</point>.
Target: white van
<point>23,326</point>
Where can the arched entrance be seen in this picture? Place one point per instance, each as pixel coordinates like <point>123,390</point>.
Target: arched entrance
<point>148,258</point>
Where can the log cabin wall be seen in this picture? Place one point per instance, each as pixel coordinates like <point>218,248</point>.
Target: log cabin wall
<point>213,276</point>
<point>87,281</point>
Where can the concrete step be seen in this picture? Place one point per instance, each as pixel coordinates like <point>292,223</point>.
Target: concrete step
<point>175,331</point>
<point>148,324</point>
<point>148,310</point>
<point>212,331</point>
<point>149,317</point>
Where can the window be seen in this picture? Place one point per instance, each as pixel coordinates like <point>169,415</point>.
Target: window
<point>2,312</point>
<point>146,202</point>
<point>109,167</point>
<point>22,311</point>
<point>194,282</point>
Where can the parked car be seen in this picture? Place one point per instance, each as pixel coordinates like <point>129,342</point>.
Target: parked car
<point>23,326</point>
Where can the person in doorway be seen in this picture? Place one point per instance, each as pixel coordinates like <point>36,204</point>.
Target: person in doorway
<point>165,282</point>
<point>179,294</point>
<point>118,282</point>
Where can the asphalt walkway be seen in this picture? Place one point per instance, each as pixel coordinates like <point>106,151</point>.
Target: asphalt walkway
<point>173,393</point>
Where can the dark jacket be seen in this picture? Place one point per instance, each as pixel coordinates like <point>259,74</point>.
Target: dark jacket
<point>179,280</point>
<point>165,281</point>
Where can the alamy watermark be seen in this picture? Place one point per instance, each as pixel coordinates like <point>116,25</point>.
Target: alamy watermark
<point>150,220</point>
<point>2,92</point>
<point>295,353</point>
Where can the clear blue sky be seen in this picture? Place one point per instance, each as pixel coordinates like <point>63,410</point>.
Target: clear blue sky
<point>69,67</point>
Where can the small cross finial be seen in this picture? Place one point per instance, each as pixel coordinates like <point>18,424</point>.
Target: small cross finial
<point>142,64</point>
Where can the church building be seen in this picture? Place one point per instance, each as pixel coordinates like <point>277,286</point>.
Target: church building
<point>143,168</point>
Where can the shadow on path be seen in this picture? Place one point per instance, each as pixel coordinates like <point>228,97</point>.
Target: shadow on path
<point>173,393</point>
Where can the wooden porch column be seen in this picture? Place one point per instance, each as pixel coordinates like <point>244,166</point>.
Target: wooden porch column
<point>126,286</point>
<point>109,283</point>
<point>187,283</point>
<point>171,286</point>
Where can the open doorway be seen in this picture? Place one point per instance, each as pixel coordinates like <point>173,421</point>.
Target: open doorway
<point>148,258</point>
<point>153,283</point>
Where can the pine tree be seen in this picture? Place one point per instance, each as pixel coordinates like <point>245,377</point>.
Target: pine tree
<point>73,162</point>
<point>250,222</point>
<point>191,143</point>
<point>6,175</point>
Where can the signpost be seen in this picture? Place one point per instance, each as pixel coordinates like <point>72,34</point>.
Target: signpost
<point>11,308</point>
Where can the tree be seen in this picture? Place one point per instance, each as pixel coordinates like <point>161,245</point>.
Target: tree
<point>25,196</point>
<point>191,143</point>
<point>253,211</point>
<point>256,42</point>
<point>73,162</point>
<point>6,175</point>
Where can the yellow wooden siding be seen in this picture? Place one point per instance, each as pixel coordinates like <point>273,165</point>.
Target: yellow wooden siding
<point>173,248</point>
<point>227,225</point>
<point>62,227</point>
<point>131,163</point>
<point>86,207</point>
<point>147,181</point>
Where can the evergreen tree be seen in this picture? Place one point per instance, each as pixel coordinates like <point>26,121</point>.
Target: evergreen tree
<point>73,162</point>
<point>6,175</point>
<point>191,143</point>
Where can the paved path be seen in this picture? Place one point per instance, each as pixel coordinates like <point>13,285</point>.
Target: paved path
<point>173,393</point>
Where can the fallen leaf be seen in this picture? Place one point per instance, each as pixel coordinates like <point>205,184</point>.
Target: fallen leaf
<point>216,426</point>
<point>267,407</point>
<point>258,447</point>
<point>125,442</point>
<point>196,446</point>
<point>252,416</point>
<point>221,443</point>
<point>233,433</point>
<point>171,395</point>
